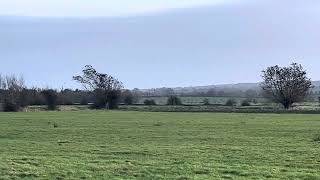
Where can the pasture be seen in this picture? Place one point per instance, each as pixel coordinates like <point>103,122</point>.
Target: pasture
<point>198,100</point>
<point>158,145</point>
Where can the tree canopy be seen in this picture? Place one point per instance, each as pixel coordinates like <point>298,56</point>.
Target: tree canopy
<point>286,85</point>
<point>92,80</point>
<point>106,88</point>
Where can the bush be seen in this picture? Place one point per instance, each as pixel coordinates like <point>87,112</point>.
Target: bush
<point>13,93</point>
<point>174,100</point>
<point>128,100</point>
<point>67,102</point>
<point>99,99</point>
<point>254,101</point>
<point>51,98</point>
<point>9,106</point>
<point>206,101</point>
<point>104,99</point>
<point>150,102</point>
<point>231,102</point>
<point>84,101</point>
<point>127,97</point>
<point>245,103</point>
<point>113,99</point>
<point>12,101</point>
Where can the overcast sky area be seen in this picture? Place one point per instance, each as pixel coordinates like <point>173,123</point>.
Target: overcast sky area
<point>157,43</point>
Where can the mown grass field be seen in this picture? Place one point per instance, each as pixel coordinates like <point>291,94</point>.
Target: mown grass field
<point>146,145</point>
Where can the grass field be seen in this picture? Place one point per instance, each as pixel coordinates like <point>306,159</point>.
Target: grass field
<point>146,145</point>
<point>198,100</point>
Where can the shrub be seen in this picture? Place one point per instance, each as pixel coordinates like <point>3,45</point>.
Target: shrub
<point>231,102</point>
<point>9,106</point>
<point>84,101</point>
<point>245,103</point>
<point>99,99</point>
<point>206,101</point>
<point>106,99</point>
<point>128,100</point>
<point>13,93</point>
<point>254,101</point>
<point>113,99</point>
<point>174,100</point>
<point>127,97</point>
<point>67,102</point>
<point>150,102</point>
<point>12,102</point>
<point>51,98</point>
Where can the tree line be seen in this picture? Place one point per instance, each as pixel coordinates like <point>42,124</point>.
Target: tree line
<point>15,96</point>
<point>283,85</point>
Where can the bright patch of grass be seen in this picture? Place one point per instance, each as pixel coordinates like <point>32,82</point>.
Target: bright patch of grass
<point>138,145</point>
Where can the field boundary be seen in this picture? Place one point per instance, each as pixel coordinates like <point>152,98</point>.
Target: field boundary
<point>219,109</point>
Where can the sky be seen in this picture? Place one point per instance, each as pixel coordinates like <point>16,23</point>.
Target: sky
<point>150,44</point>
<point>95,8</point>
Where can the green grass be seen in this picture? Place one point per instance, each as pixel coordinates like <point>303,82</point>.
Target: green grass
<point>146,145</point>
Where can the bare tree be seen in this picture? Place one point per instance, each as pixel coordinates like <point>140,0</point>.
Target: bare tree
<point>106,88</point>
<point>286,85</point>
<point>2,82</point>
<point>14,93</point>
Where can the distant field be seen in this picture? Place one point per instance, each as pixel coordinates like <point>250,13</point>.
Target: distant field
<point>145,145</point>
<point>197,100</point>
<point>301,108</point>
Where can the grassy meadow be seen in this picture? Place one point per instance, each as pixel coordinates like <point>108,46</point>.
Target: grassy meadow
<point>198,100</point>
<point>158,145</point>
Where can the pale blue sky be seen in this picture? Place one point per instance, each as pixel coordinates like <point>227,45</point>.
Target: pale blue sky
<point>209,42</point>
<point>85,8</point>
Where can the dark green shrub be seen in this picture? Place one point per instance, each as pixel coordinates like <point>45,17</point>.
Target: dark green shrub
<point>245,103</point>
<point>51,98</point>
<point>174,100</point>
<point>206,101</point>
<point>106,99</point>
<point>150,102</point>
<point>84,101</point>
<point>128,100</point>
<point>231,102</point>
<point>254,101</point>
<point>99,99</point>
<point>9,106</point>
<point>13,93</point>
<point>127,97</point>
<point>14,100</point>
<point>113,99</point>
